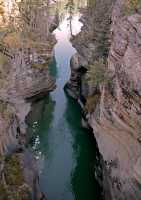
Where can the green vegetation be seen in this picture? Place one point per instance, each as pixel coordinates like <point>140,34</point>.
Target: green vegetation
<point>91,3</point>
<point>91,103</point>
<point>3,60</point>
<point>96,73</point>
<point>3,106</point>
<point>131,6</point>
<point>4,67</point>
<point>6,111</point>
<point>7,194</point>
<point>96,76</point>
<point>12,186</point>
<point>41,66</point>
<point>13,174</point>
<point>70,6</point>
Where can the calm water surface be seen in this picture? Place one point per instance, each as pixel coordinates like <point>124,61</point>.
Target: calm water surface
<point>64,150</point>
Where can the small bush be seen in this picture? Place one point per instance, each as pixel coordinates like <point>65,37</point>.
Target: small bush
<point>91,103</point>
<point>3,60</point>
<point>96,73</point>
<point>5,111</point>
<point>91,3</point>
<point>40,66</point>
<point>3,192</point>
<point>13,172</point>
<point>131,6</point>
<point>12,185</point>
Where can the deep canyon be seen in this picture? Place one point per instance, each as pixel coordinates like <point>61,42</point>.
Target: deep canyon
<point>70,100</point>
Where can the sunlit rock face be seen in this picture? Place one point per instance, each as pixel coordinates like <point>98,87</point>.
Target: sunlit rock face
<point>113,105</point>
<point>7,9</point>
<point>116,121</point>
<point>26,45</point>
<point>26,49</point>
<point>92,43</point>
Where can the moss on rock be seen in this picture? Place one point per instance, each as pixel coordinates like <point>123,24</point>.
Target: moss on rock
<point>91,103</point>
<point>13,171</point>
<point>12,184</point>
<point>131,6</point>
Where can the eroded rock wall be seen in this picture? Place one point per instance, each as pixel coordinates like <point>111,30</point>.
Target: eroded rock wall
<point>117,125</point>
<point>26,49</point>
<point>115,115</point>
<point>25,53</point>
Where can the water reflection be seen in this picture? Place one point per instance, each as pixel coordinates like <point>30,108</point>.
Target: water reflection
<point>53,67</point>
<point>59,139</point>
<point>41,112</point>
<point>84,149</point>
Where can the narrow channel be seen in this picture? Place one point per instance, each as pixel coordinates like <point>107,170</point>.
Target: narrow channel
<point>66,153</point>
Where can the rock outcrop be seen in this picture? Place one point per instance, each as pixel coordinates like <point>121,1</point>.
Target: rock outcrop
<point>112,101</point>
<point>26,49</point>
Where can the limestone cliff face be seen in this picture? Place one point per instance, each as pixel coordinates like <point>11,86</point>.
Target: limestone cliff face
<point>91,44</point>
<point>8,127</point>
<point>25,52</point>
<point>115,115</point>
<point>117,126</point>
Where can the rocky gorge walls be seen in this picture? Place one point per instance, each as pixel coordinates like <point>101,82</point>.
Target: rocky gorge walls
<point>106,77</point>
<point>26,48</point>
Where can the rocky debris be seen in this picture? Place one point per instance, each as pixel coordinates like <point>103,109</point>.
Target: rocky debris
<point>116,115</point>
<point>73,85</point>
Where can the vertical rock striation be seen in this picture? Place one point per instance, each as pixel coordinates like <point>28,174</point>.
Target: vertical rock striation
<point>112,103</point>
<point>26,49</point>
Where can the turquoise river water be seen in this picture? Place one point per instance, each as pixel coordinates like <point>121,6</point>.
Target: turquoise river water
<point>65,152</point>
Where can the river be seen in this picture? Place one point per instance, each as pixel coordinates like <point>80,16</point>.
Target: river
<point>66,152</point>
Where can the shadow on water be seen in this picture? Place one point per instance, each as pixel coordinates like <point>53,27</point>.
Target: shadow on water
<point>52,67</point>
<point>41,113</point>
<point>85,150</point>
<point>66,152</point>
